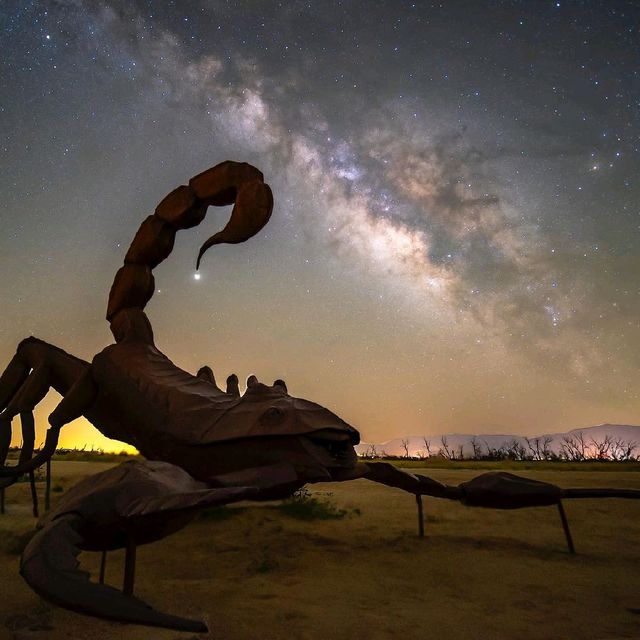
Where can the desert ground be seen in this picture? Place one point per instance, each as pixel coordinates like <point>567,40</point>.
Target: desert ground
<point>253,571</point>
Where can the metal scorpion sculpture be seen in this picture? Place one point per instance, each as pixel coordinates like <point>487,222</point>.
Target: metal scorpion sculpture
<point>202,445</point>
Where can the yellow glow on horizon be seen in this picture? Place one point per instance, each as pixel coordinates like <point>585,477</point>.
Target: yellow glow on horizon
<point>79,434</point>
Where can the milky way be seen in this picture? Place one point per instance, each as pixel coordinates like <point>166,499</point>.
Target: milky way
<point>455,243</point>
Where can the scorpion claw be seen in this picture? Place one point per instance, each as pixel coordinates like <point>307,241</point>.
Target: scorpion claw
<point>130,505</point>
<point>50,566</point>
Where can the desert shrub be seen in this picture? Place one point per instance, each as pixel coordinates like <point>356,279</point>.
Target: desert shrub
<point>303,506</point>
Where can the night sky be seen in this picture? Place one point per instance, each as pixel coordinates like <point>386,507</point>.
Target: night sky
<point>455,242</point>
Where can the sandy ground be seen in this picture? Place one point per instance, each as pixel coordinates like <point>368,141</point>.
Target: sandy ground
<point>260,574</point>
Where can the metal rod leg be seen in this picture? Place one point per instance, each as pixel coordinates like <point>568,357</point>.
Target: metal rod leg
<point>103,565</point>
<point>129,567</point>
<point>565,526</point>
<point>34,493</point>
<point>47,493</point>
<point>420,515</point>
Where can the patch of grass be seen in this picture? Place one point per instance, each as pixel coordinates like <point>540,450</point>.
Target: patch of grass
<point>303,506</point>
<point>57,488</point>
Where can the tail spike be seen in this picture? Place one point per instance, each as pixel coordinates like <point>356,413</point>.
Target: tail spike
<point>206,373</point>
<point>233,388</point>
<point>282,384</point>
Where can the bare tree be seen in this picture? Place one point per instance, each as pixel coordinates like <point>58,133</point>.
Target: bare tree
<point>574,447</point>
<point>540,448</point>
<point>567,448</point>
<point>427,446</point>
<point>547,453</point>
<point>629,448</point>
<point>494,453</point>
<point>405,446</point>
<point>476,447</point>
<point>622,450</point>
<point>371,451</point>
<point>445,452</point>
<point>582,443</point>
<point>534,448</point>
<point>602,448</point>
<point>515,450</point>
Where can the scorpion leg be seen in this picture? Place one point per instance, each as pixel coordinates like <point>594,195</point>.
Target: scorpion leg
<point>492,490</point>
<point>47,491</point>
<point>29,395</point>
<point>37,367</point>
<point>28,442</point>
<point>103,566</point>
<point>420,515</point>
<point>419,485</point>
<point>10,382</point>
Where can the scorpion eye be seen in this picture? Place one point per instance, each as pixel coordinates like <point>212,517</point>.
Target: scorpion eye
<point>273,415</point>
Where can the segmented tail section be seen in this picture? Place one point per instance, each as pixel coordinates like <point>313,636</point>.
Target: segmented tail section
<point>227,183</point>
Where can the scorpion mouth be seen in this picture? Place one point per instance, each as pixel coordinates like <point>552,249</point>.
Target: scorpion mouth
<point>336,447</point>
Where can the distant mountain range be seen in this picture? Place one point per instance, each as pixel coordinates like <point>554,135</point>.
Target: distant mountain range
<point>588,437</point>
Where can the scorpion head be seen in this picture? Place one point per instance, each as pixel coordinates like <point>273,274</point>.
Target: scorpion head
<point>320,444</point>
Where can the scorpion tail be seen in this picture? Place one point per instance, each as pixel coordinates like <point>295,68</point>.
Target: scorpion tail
<point>236,183</point>
<point>50,566</point>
